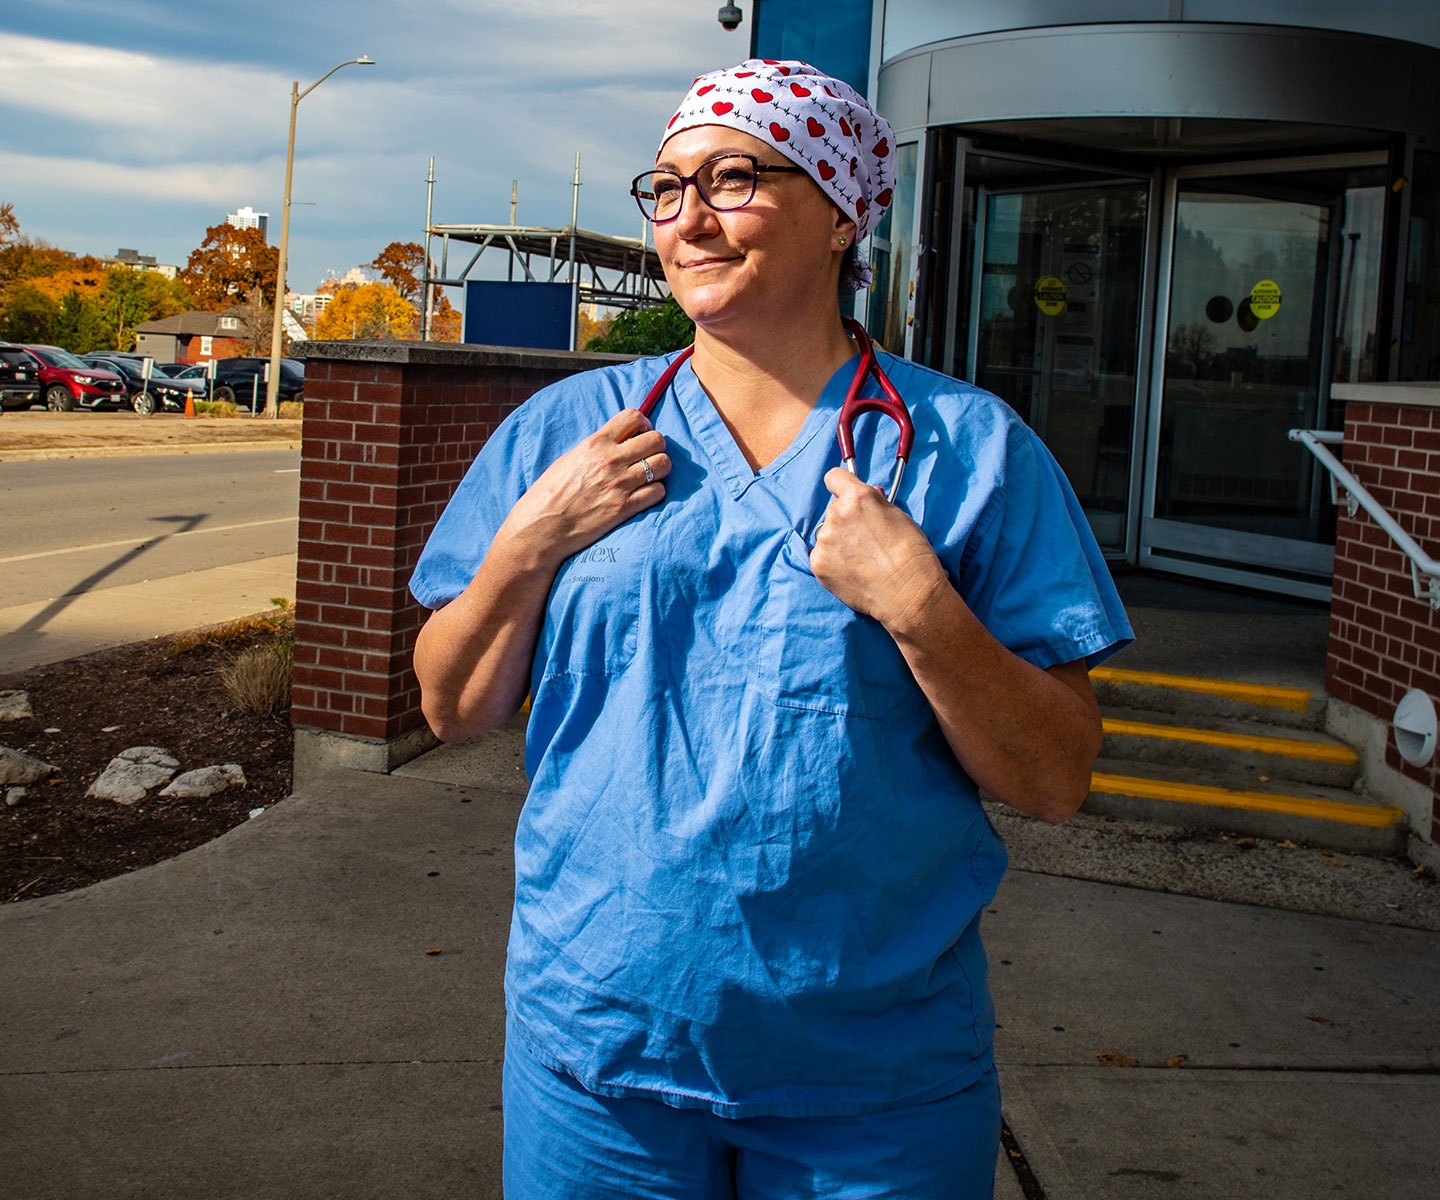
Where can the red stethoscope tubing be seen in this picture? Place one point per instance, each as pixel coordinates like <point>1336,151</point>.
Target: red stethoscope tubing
<point>890,403</point>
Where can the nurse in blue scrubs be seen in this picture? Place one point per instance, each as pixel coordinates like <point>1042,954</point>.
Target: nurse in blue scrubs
<point>745,953</point>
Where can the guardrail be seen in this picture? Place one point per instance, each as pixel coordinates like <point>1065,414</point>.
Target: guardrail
<point>1357,496</point>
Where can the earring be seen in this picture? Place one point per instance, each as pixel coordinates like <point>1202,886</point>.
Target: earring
<point>842,241</point>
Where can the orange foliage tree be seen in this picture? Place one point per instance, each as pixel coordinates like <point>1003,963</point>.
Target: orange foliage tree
<point>373,310</point>
<point>228,265</point>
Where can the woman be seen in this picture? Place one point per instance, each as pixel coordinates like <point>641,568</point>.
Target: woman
<point>745,954</point>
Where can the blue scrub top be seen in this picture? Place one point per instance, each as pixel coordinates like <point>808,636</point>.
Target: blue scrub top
<point>750,870</point>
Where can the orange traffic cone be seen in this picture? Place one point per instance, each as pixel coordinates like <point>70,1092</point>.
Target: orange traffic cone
<point>189,406</point>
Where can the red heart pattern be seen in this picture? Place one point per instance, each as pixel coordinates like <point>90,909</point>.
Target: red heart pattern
<point>866,193</point>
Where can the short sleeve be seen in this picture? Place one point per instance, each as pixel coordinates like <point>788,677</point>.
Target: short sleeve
<point>497,478</point>
<point>1032,571</point>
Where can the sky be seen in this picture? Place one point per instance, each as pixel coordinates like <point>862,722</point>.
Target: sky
<point>140,123</point>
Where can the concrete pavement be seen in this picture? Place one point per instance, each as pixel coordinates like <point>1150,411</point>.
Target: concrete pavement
<point>49,631</point>
<point>261,1018</point>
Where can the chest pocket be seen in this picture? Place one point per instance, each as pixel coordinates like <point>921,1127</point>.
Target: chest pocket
<point>818,653</point>
<point>592,622</point>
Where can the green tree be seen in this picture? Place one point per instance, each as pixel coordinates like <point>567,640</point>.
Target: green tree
<point>28,316</point>
<point>79,326</point>
<point>655,330</point>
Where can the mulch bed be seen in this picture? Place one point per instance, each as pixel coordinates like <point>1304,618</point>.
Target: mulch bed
<point>57,838</point>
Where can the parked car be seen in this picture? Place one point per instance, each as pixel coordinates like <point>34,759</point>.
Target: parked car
<point>68,382</point>
<point>146,397</point>
<point>242,380</point>
<point>19,377</point>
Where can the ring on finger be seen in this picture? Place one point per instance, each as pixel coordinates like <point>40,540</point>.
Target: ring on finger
<point>649,474</point>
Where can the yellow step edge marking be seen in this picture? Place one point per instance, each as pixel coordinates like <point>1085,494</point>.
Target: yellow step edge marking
<point>1375,817</point>
<point>1292,699</point>
<point>1288,747</point>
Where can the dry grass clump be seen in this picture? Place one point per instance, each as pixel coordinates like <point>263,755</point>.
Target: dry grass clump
<point>216,408</point>
<point>257,680</point>
<point>280,621</point>
<point>291,410</point>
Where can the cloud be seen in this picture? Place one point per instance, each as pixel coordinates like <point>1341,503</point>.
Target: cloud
<point>215,183</point>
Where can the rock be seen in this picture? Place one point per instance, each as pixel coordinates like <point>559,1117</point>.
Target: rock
<point>15,706</point>
<point>132,773</point>
<point>205,781</point>
<point>17,767</point>
<point>14,796</point>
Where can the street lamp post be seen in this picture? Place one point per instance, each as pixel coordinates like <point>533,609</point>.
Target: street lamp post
<point>272,385</point>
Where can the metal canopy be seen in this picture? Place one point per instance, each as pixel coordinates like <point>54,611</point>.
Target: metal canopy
<point>614,271</point>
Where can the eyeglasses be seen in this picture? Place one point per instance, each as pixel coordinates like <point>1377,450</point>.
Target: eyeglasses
<point>725,183</point>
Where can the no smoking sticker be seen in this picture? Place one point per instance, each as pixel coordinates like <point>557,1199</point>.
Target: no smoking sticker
<point>1050,295</point>
<point>1265,299</point>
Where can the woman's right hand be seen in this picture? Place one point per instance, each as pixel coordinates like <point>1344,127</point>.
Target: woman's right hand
<point>593,488</point>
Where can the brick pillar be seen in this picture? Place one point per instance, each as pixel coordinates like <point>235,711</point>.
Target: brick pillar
<point>1383,640</point>
<point>390,428</point>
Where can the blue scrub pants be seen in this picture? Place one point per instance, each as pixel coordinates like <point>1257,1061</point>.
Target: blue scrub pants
<point>565,1143</point>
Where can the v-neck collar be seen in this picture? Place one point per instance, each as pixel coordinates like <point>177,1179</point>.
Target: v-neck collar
<point>714,435</point>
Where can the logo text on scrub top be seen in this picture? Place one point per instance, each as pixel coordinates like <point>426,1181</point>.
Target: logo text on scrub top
<point>596,554</point>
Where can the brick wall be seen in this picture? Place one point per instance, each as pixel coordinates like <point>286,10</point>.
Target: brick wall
<point>1384,641</point>
<point>390,429</point>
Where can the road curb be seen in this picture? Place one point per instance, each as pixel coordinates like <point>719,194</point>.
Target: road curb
<point>291,443</point>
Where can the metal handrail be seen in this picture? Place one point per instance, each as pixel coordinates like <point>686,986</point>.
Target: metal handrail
<point>1356,496</point>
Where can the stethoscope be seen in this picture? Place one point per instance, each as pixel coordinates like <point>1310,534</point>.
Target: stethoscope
<point>890,404</point>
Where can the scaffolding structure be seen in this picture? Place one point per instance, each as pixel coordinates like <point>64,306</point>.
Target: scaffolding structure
<point>616,272</point>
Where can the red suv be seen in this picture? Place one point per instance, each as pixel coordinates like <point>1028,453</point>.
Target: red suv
<point>67,382</point>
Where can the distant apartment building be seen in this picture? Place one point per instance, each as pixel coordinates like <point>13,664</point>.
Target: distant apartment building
<point>248,218</point>
<point>307,306</point>
<point>140,262</point>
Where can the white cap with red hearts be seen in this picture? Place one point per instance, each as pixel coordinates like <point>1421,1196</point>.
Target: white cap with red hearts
<point>815,120</point>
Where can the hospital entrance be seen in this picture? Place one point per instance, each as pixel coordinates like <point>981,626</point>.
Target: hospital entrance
<point>1162,331</point>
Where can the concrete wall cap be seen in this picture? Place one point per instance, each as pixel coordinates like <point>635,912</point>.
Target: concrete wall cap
<point>451,354</point>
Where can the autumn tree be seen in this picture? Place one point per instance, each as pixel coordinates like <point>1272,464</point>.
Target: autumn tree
<point>444,319</point>
<point>9,225</point>
<point>227,264</point>
<point>402,266</point>
<point>256,323</point>
<point>373,310</point>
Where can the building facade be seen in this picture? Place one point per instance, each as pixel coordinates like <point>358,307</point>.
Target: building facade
<point>248,218</point>
<point>1162,231</point>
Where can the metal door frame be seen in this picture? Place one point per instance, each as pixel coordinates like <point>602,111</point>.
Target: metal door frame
<point>1286,554</point>
<point>1103,175</point>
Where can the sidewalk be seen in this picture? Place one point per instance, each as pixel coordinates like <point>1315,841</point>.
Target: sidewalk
<point>261,1018</point>
<point>41,435</point>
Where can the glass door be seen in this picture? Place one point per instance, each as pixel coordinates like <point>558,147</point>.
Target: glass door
<point>1056,326</point>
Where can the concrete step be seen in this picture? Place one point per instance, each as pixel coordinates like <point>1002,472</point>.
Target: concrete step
<point>1240,748</point>
<point>1301,812</point>
<point>1185,695</point>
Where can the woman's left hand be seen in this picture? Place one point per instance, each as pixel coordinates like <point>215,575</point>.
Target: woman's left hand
<point>871,555</point>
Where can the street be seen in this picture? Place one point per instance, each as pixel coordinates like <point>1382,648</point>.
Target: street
<point>99,551</point>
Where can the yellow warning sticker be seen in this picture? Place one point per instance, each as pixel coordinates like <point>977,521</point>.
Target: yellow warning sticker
<point>1050,295</point>
<point>1265,299</point>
